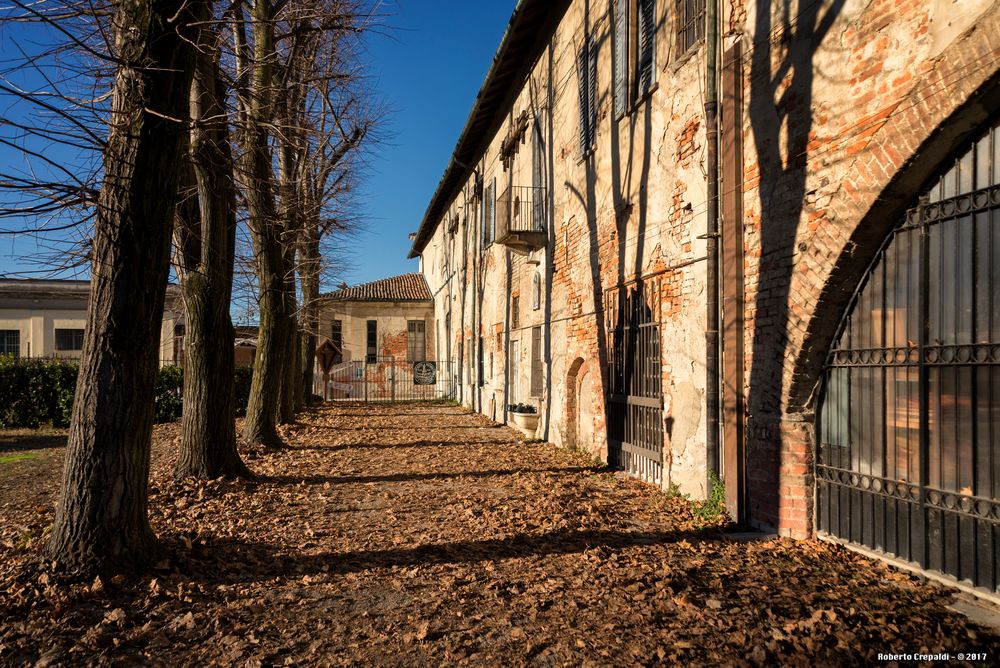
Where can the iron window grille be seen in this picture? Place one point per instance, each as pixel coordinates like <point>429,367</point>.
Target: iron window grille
<point>10,342</point>
<point>908,427</point>
<point>69,339</point>
<point>690,24</point>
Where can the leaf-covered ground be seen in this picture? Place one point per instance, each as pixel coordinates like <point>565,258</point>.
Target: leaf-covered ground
<point>425,535</point>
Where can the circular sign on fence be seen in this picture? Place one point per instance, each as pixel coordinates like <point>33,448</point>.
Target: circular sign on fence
<point>424,373</point>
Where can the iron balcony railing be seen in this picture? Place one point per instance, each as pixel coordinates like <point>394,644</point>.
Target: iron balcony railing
<point>520,209</point>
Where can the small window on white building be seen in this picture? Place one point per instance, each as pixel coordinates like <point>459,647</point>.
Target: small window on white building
<point>536,291</point>
<point>69,340</point>
<point>10,342</point>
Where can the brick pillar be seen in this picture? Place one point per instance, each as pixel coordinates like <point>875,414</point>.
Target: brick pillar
<point>795,476</point>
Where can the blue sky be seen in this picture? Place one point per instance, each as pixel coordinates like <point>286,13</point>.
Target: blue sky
<point>428,64</point>
<point>429,70</point>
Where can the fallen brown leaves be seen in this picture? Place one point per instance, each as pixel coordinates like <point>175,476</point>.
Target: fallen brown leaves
<point>422,535</point>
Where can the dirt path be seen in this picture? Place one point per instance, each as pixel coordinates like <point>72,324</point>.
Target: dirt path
<point>422,535</point>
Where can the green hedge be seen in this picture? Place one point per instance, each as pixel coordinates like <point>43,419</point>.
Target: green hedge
<point>40,391</point>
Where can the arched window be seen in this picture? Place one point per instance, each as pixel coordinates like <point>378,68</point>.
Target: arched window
<point>908,457</point>
<point>536,291</point>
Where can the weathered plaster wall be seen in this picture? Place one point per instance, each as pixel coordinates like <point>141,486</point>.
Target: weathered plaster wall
<point>848,107</point>
<point>392,319</point>
<point>630,209</point>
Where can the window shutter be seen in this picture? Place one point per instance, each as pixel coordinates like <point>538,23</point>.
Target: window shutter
<point>536,361</point>
<point>583,78</point>
<point>647,44</point>
<point>537,180</point>
<point>493,209</point>
<point>482,377</point>
<point>621,56</point>
<point>592,94</point>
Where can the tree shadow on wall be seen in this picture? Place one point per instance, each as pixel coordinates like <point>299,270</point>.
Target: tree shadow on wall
<point>781,95</point>
<point>629,194</point>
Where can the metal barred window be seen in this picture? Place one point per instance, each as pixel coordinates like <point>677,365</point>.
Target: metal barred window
<point>10,342</point>
<point>69,339</point>
<point>909,425</point>
<point>635,379</point>
<point>690,24</point>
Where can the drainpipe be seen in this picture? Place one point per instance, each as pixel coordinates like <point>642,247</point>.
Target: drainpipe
<point>712,362</point>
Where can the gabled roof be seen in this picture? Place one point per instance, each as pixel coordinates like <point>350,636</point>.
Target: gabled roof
<point>405,288</point>
<point>529,29</point>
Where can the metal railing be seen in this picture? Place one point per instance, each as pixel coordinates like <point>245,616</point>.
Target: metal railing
<point>520,209</point>
<point>386,379</point>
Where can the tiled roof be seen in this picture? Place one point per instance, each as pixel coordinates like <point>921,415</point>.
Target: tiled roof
<point>405,288</point>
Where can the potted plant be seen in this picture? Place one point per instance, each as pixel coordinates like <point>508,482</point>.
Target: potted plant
<point>525,418</point>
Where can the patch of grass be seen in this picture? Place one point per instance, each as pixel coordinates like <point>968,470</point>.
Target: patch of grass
<point>712,511</point>
<point>9,459</point>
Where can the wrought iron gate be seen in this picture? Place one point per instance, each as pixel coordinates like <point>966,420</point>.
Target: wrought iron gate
<point>635,392</point>
<point>383,379</point>
<point>908,461</point>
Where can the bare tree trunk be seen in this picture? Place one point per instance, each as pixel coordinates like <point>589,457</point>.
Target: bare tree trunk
<point>207,249</point>
<point>265,388</point>
<point>290,377</point>
<point>101,519</point>
<point>266,230</point>
<point>309,268</point>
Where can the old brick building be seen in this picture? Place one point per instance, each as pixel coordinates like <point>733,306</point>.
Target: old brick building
<point>377,331</point>
<point>566,249</point>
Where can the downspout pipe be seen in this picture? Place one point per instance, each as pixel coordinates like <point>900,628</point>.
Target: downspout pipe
<point>712,359</point>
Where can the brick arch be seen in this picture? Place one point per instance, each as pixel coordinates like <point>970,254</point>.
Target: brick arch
<point>931,127</point>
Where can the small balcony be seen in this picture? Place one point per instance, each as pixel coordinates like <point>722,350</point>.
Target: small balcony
<point>521,219</point>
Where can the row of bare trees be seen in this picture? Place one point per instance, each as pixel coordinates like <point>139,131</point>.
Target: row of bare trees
<point>206,116</point>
